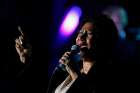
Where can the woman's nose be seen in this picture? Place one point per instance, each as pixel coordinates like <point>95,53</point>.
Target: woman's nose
<point>81,39</point>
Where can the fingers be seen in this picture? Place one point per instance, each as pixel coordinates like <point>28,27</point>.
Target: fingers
<point>65,58</point>
<point>18,46</point>
<point>21,39</point>
<point>19,28</point>
<point>18,43</point>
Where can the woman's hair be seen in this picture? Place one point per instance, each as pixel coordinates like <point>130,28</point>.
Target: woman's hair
<point>87,19</point>
<point>105,35</point>
<point>105,30</point>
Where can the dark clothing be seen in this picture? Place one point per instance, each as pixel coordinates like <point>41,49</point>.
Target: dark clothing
<point>126,67</point>
<point>58,76</point>
<point>83,84</point>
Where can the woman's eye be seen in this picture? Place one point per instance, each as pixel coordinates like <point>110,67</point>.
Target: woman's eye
<point>89,32</point>
<point>89,35</point>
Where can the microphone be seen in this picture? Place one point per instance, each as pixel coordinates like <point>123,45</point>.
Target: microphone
<point>74,57</point>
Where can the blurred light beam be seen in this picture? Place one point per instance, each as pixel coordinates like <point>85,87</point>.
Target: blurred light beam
<point>71,21</point>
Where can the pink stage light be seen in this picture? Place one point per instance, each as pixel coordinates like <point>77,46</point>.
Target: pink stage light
<point>70,21</point>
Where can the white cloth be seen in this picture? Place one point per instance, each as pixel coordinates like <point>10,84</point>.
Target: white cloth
<point>63,89</point>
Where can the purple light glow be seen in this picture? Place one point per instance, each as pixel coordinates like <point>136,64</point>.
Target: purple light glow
<point>70,21</point>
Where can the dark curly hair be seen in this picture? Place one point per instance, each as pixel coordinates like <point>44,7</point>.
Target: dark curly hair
<point>105,36</point>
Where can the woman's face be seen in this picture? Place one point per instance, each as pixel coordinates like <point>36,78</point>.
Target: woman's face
<point>85,36</point>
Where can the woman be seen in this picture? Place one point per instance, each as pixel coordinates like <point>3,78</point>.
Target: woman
<point>90,39</point>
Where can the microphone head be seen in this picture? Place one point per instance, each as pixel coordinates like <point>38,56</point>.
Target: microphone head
<point>75,56</point>
<point>75,48</point>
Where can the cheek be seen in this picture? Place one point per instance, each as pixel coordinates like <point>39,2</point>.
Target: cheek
<point>90,42</point>
<point>77,41</point>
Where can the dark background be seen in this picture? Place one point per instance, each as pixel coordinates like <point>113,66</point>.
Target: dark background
<point>41,20</point>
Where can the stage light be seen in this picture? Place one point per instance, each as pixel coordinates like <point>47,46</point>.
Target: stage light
<point>70,21</point>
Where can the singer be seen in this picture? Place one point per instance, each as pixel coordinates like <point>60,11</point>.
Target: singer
<point>91,38</point>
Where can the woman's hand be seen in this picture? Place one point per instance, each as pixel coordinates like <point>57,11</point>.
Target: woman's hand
<point>65,59</point>
<point>23,52</point>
